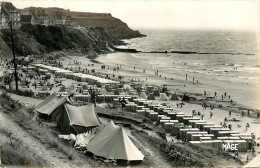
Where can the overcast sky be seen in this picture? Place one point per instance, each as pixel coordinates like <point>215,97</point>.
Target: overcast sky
<point>198,14</point>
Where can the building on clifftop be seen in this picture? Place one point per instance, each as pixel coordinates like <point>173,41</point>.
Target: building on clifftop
<point>27,19</point>
<point>8,12</point>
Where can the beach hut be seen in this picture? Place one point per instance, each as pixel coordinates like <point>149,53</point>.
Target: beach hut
<point>242,145</point>
<point>153,116</point>
<point>218,144</point>
<point>79,119</point>
<point>50,107</point>
<point>196,143</point>
<point>112,142</point>
<point>140,112</point>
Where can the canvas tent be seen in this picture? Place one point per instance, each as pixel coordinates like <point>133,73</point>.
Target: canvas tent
<point>174,96</point>
<point>77,119</point>
<point>163,97</point>
<point>50,107</point>
<point>112,142</point>
<point>83,139</point>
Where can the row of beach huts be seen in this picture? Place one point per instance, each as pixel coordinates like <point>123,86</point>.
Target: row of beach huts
<point>190,128</point>
<point>91,79</point>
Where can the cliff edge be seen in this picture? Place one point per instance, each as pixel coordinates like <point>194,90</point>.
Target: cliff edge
<point>56,29</point>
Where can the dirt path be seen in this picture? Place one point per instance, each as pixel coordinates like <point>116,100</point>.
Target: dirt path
<point>151,153</point>
<point>53,158</point>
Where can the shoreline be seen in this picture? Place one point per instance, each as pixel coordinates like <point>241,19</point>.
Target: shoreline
<point>199,97</point>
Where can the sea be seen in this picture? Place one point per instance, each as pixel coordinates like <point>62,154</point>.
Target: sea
<point>218,61</point>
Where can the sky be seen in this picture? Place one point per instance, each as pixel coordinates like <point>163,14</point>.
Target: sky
<point>165,14</point>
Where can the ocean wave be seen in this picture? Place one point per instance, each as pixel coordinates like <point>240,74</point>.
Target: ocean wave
<point>237,65</point>
<point>229,64</point>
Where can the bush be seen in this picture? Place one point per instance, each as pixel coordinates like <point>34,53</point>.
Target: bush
<point>15,153</point>
<point>27,93</point>
<point>5,96</point>
<point>31,109</point>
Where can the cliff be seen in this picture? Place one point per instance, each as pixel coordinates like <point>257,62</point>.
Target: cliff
<point>112,25</point>
<point>93,32</point>
<point>36,39</point>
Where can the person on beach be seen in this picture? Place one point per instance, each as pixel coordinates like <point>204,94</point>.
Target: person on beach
<point>193,79</point>
<point>230,126</point>
<point>229,113</point>
<point>123,103</point>
<point>186,77</point>
<point>134,68</point>
<point>222,98</point>
<point>202,116</point>
<point>205,93</point>
<point>248,112</point>
<point>236,155</point>
<point>197,81</point>
<point>93,96</point>
<point>211,114</point>
<point>144,71</point>
<point>35,84</point>
<point>193,112</point>
<point>224,125</point>
<point>247,126</point>
<point>215,94</point>
<point>253,151</point>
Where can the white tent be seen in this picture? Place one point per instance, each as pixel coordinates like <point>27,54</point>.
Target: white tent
<point>83,139</point>
<point>254,163</point>
<point>68,137</point>
<point>163,97</point>
<point>143,95</point>
<point>112,142</point>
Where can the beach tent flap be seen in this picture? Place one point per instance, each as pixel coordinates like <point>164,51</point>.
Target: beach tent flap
<point>82,117</point>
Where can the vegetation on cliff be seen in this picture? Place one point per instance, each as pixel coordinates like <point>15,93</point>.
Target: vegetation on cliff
<point>94,33</point>
<point>113,26</point>
<point>35,39</point>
